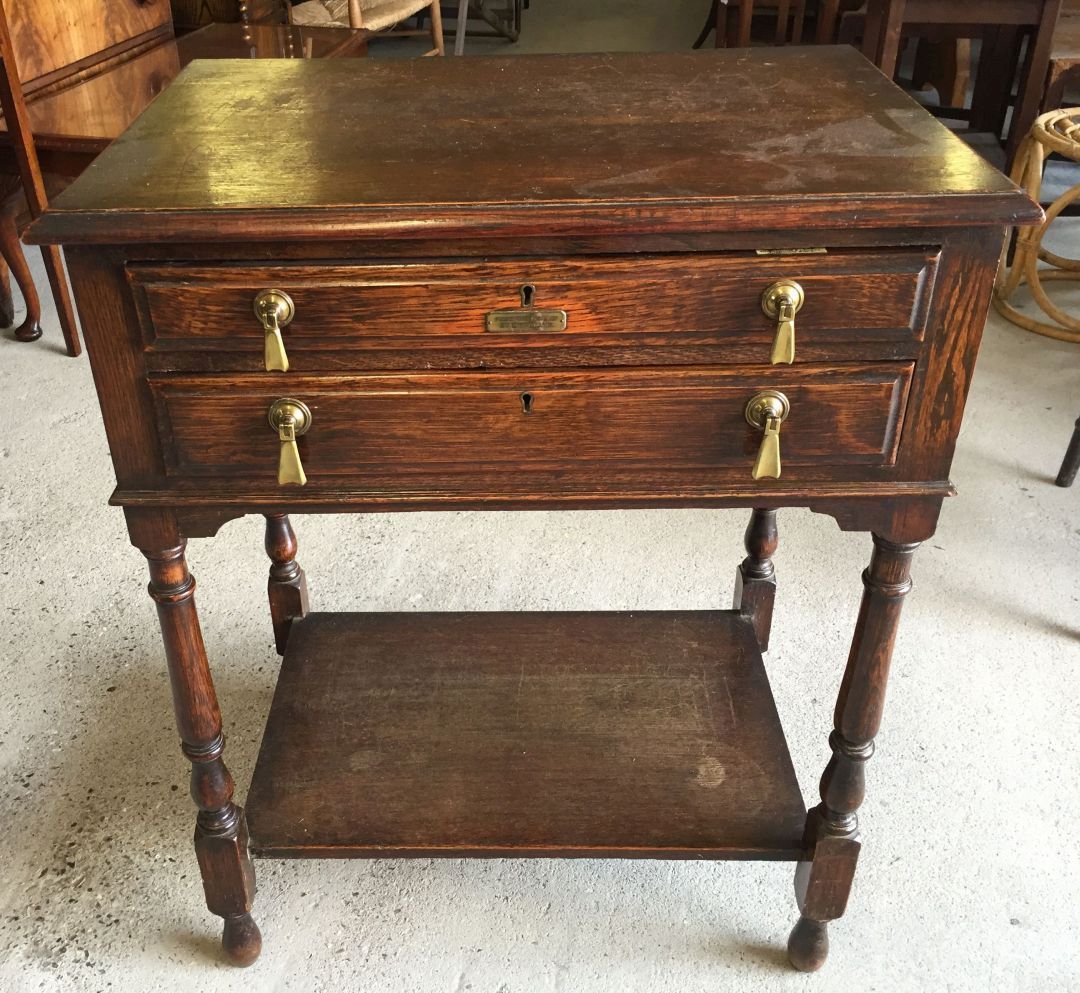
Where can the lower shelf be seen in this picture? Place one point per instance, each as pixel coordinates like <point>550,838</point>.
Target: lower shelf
<point>644,735</point>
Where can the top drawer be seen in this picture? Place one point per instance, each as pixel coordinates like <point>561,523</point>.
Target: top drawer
<point>620,310</point>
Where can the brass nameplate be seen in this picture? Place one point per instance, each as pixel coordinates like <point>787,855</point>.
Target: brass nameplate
<point>792,251</point>
<point>527,319</point>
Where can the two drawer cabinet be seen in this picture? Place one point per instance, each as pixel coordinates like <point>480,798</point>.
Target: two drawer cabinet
<point>664,281</point>
<point>586,367</point>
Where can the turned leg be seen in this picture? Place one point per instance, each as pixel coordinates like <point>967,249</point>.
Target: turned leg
<point>755,579</point>
<point>287,586</point>
<point>221,841</point>
<point>822,884</point>
<point>11,249</point>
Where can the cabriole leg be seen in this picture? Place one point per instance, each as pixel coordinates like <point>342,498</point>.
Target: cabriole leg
<point>287,586</point>
<point>221,840</point>
<point>11,249</point>
<point>755,579</point>
<point>822,884</point>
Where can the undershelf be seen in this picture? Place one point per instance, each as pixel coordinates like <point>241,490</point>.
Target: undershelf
<point>645,734</point>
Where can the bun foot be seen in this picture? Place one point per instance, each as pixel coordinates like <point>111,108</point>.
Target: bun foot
<point>241,940</point>
<point>28,331</point>
<point>808,946</point>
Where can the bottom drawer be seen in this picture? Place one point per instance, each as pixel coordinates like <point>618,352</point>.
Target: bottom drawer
<point>659,418</point>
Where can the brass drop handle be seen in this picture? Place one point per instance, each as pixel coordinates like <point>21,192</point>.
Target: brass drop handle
<point>766,412</point>
<point>275,310</point>
<point>782,301</point>
<point>290,419</point>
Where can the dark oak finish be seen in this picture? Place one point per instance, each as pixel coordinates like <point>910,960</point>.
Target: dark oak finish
<point>421,309</point>
<point>287,585</point>
<point>646,197</point>
<point>221,842</point>
<point>580,422</point>
<point>587,173</point>
<point>755,579</point>
<point>639,734</point>
<point>823,882</point>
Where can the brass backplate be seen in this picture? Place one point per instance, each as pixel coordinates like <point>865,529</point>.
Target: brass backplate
<point>784,291</point>
<point>526,319</point>
<point>287,407</point>
<point>275,302</point>
<point>766,405</point>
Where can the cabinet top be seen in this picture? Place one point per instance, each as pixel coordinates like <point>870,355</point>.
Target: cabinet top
<point>555,145</point>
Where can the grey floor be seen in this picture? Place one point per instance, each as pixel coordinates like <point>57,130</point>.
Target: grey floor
<point>971,869</point>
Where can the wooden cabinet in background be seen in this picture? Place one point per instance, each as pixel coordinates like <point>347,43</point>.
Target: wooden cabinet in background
<point>54,39</point>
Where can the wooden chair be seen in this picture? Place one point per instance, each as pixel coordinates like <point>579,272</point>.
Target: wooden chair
<point>888,22</point>
<point>827,22</point>
<point>944,63</point>
<point>383,16</point>
<point>31,186</point>
<point>504,23</point>
<point>1064,60</point>
<point>732,20</point>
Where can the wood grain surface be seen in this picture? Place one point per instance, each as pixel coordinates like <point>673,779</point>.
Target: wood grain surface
<point>584,422</point>
<point>639,734</point>
<point>399,201</point>
<point>873,299</point>
<point>49,36</point>
<point>548,143</point>
<point>88,116</point>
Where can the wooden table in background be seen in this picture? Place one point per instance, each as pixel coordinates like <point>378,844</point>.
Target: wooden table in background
<point>585,303</point>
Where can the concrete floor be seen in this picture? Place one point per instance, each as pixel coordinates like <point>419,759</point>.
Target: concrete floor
<point>971,869</point>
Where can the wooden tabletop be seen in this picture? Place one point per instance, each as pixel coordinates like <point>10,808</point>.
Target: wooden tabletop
<point>554,144</point>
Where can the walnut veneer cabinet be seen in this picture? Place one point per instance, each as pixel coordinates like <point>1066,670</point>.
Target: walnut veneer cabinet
<point>545,282</point>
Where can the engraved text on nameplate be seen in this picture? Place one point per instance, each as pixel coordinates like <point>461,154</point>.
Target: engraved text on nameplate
<point>526,319</point>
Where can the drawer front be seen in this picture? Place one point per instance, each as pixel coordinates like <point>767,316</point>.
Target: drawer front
<point>659,419</point>
<point>867,300</point>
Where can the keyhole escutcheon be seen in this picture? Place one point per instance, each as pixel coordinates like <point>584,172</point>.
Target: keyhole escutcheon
<point>526,403</point>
